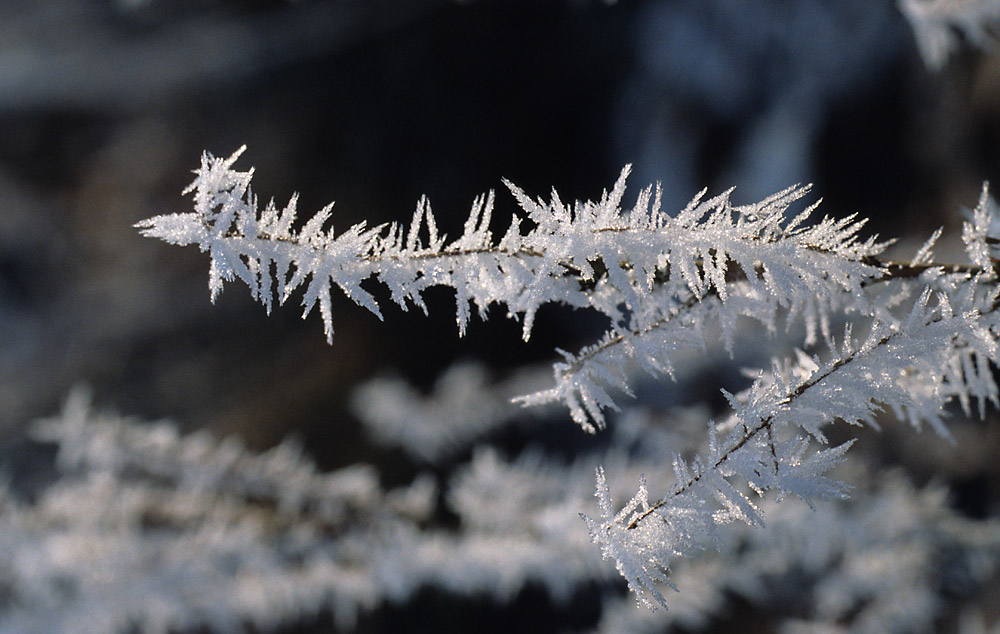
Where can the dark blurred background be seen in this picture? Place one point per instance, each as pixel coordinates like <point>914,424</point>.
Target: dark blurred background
<point>106,106</point>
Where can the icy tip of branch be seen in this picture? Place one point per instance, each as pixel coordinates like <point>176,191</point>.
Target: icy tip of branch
<point>636,555</point>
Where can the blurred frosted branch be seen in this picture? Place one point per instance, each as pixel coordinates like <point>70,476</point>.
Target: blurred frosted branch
<point>463,406</point>
<point>940,26</point>
<point>153,532</point>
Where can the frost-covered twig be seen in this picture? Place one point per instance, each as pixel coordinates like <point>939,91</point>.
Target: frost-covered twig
<point>592,255</point>
<point>883,562</point>
<point>766,445</point>
<point>662,281</point>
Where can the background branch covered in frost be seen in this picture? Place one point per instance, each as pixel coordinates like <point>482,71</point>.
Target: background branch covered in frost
<point>157,532</point>
<point>939,26</point>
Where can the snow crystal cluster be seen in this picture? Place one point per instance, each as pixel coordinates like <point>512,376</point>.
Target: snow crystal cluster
<point>879,338</point>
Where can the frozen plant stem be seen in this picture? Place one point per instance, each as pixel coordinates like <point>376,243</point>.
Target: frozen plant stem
<point>660,280</point>
<point>764,425</point>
